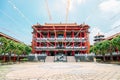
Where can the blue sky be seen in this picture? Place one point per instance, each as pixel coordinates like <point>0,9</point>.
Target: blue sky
<point>17,16</point>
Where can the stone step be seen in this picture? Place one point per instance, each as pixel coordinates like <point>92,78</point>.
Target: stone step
<point>49,59</point>
<point>71,59</point>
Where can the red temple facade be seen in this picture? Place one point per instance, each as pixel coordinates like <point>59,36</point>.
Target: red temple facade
<point>65,38</point>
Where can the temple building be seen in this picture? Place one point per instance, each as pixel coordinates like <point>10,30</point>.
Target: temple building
<point>64,38</point>
<point>98,38</point>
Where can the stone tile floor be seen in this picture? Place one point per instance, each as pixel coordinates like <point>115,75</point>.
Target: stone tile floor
<point>60,71</point>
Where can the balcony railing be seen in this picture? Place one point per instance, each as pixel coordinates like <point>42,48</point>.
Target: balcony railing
<point>61,48</point>
<point>61,39</point>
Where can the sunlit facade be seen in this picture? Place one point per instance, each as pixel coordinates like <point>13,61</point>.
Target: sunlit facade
<point>65,38</point>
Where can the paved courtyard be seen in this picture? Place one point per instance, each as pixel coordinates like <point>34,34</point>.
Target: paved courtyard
<point>60,71</point>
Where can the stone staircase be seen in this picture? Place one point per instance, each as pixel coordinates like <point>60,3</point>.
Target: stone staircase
<point>71,59</point>
<point>49,59</point>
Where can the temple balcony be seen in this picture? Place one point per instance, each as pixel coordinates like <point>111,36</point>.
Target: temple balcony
<point>60,39</point>
<point>61,48</point>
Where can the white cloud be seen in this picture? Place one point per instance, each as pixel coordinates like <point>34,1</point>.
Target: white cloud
<point>60,7</point>
<point>73,3</point>
<point>81,1</point>
<point>93,33</point>
<point>110,6</point>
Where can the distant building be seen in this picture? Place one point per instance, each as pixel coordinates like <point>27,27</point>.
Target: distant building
<point>9,37</point>
<point>65,38</point>
<point>112,36</point>
<point>99,37</point>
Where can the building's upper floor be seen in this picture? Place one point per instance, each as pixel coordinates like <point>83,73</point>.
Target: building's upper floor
<point>60,26</point>
<point>60,30</point>
<point>99,37</point>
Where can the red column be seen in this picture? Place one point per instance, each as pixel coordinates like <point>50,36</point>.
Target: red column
<point>73,42</point>
<point>40,42</point>
<point>36,41</point>
<point>65,52</point>
<point>54,52</point>
<point>55,44</point>
<point>36,34</point>
<point>40,52</point>
<point>47,53</point>
<point>72,34</point>
<point>64,39</point>
<point>73,52</point>
<point>81,41</point>
<point>55,34</point>
<point>64,44</point>
<point>72,38</point>
<point>48,35</point>
<point>55,39</point>
<point>85,44</point>
<point>65,34</point>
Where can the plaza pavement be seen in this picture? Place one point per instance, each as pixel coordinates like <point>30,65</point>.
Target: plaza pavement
<point>60,71</point>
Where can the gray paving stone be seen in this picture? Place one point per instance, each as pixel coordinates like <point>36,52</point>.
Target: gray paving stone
<point>61,71</point>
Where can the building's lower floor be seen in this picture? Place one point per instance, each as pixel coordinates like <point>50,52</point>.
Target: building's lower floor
<point>67,53</point>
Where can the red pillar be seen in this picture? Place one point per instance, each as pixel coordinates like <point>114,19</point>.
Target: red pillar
<point>64,34</point>
<point>47,53</point>
<point>65,52</point>
<point>48,35</point>
<point>73,52</point>
<point>73,38</point>
<point>36,34</point>
<point>85,44</point>
<point>64,44</point>
<point>55,35</point>
<point>54,52</point>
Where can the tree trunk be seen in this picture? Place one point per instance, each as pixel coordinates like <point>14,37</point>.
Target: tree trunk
<point>4,58</point>
<point>18,58</point>
<point>14,58</point>
<point>10,57</point>
<point>111,56</point>
<point>117,55</point>
<point>0,58</point>
<point>104,58</point>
